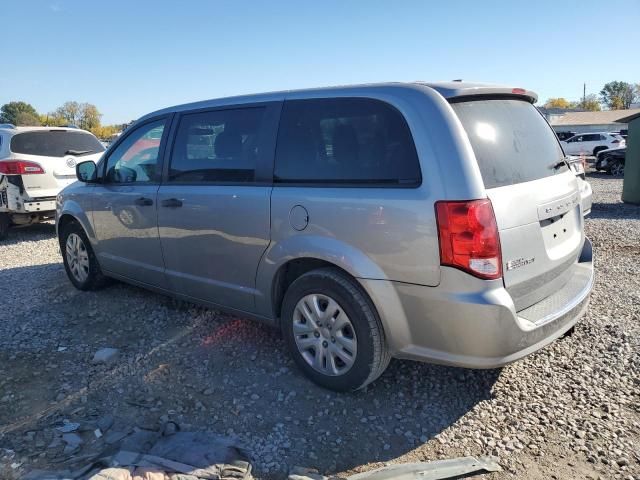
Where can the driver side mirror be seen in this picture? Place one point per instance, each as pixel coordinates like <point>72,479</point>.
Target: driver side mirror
<point>87,172</point>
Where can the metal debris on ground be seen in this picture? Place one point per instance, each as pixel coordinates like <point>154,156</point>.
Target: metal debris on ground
<point>180,456</point>
<point>438,470</point>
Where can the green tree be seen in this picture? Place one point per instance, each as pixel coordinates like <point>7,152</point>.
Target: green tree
<point>19,113</point>
<point>27,119</point>
<point>617,95</point>
<point>557,103</point>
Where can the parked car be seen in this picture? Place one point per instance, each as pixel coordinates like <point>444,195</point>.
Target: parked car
<point>35,164</point>
<point>591,143</point>
<point>367,222</point>
<point>612,161</point>
<point>565,135</point>
<point>577,164</point>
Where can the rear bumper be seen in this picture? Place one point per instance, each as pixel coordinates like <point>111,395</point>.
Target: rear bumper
<point>472,323</point>
<point>40,205</point>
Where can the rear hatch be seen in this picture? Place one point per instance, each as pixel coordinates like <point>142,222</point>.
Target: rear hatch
<point>535,195</point>
<point>57,151</point>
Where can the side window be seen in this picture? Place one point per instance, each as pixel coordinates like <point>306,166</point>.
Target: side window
<point>135,160</point>
<point>217,146</point>
<point>578,138</point>
<point>345,141</point>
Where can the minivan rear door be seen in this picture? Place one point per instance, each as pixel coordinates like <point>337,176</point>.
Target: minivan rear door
<point>533,191</point>
<point>56,150</point>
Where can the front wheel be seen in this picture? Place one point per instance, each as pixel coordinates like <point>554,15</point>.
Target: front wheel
<point>333,330</point>
<point>79,260</point>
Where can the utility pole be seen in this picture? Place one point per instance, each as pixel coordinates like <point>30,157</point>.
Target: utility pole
<point>584,95</point>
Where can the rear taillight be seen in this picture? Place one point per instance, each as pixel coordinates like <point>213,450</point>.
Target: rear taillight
<point>19,167</point>
<point>468,235</point>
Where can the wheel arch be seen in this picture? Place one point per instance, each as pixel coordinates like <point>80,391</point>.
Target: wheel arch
<point>73,213</point>
<point>286,260</point>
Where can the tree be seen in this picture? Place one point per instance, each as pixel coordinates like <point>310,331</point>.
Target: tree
<point>27,119</point>
<point>617,95</point>
<point>69,112</point>
<point>591,103</point>
<point>89,116</point>
<point>83,115</point>
<point>19,113</point>
<point>557,103</point>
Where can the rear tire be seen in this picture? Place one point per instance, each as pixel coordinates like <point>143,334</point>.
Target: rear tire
<point>79,260</point>
<point>5,223</point>
<point>338,341</point>
<point>598,149</point>
<point>617,169</point>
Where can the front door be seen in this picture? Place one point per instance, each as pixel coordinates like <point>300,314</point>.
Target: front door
<point>125,209</point>
<point>214,203</point>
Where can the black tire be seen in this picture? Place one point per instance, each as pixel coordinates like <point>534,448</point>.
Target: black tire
<point>598,149</point>
<point>5,223</point>
<point>95,279</point>
<point>372,355</point>
<point>617,169</point>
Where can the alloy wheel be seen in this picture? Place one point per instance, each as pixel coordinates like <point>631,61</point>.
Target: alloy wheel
<point>617,169</point>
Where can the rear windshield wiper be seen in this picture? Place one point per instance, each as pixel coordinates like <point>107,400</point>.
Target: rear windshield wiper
<point>79,152</point>
<point>557,165</point>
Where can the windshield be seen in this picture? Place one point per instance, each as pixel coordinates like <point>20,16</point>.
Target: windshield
<point>511,140</point>
<point>55,143</point>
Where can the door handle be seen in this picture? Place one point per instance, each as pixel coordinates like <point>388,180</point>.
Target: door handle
<point>171,203</point>
<point>142,201</point>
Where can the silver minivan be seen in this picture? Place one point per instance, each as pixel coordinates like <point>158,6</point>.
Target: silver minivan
<point>436,222</point>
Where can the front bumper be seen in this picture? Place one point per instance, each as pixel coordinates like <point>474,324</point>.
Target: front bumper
<point>473,323</point>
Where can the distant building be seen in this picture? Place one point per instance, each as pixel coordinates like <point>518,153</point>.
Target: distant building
<point>584,122</point>
<point>551,114</point>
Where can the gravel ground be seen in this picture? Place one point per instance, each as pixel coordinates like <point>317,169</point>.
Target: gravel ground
<point>569,411</point>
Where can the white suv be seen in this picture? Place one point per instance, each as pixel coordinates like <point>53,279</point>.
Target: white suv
<point>35,164</point>
<point>591,143</point>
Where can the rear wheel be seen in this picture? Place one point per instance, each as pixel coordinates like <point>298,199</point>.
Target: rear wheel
<point>333,330</point>
<point>79,260</point>
<point>617,169</point>
<point>598,149</point>
<point>5,223</point>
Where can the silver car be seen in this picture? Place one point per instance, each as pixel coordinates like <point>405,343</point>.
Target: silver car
<point>433,222</point>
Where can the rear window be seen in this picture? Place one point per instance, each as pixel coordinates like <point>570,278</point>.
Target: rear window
<point>55,143</point>
<point>511,140</point>
<point>345,141</point>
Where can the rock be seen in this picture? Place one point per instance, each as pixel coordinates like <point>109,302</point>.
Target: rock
<point>105,423</point>
<point>106,356</point>
<point>72,439</point>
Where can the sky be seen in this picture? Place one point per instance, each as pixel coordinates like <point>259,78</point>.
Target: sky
<point>132,57</point>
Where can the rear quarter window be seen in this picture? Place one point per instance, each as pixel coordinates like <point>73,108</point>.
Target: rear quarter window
<point>345,141</point>
<point>55,143</point>
<point>511,140</point>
